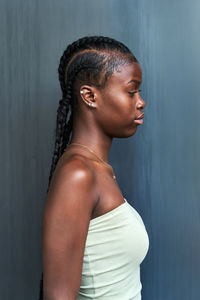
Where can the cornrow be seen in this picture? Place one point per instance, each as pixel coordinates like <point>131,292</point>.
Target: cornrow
<point>90,59</point>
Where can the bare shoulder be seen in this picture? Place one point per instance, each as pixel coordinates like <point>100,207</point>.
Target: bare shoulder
<point>74,181</point>
<point>72,169</point>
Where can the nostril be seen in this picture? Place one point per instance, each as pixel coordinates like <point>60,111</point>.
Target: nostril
<point>141,105</point>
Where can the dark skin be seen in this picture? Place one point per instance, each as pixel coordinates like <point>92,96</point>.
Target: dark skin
<point>82,187</point>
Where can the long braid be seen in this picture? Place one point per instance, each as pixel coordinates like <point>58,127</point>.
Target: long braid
<point>103,56</point>
<point>63,129</point>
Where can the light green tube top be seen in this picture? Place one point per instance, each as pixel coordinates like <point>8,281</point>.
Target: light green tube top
<point>117,242</point>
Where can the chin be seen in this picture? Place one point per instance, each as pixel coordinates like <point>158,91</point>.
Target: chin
<point>127,133</point>
<point>132,132</point>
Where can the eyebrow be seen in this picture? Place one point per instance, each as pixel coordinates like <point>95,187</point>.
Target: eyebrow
<point>136,81</point>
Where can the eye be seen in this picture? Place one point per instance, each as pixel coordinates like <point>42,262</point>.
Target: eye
<point>132,93</point>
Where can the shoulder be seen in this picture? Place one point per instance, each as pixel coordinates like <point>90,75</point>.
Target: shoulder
<point>74,178</point>
<point>75,167</point>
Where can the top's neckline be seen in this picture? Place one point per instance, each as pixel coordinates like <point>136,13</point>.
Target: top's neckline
<point>109,212</point>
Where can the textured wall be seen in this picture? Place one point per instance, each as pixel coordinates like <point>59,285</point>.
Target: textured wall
<point>157,169</point>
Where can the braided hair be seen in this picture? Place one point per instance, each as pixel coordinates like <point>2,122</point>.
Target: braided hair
<point>91,60</point>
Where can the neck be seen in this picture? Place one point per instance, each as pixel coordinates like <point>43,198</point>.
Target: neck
<point>92,137</point>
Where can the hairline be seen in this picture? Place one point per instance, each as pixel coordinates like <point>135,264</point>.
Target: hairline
<point>108,53</point>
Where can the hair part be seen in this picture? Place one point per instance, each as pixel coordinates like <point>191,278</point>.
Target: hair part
<point>89,60</point>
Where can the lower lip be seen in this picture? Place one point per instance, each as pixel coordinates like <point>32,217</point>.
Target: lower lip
<point>140,121</point>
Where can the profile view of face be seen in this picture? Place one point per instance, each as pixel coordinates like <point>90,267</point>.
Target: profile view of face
<point>120,103</point>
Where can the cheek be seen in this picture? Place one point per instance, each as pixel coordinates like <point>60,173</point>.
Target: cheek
<point>122,108</point>
<point>117,111</point>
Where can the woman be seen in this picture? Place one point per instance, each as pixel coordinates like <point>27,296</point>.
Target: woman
<point>93,240</point>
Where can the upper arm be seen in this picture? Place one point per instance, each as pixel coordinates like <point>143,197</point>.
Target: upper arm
<point>70,201</point>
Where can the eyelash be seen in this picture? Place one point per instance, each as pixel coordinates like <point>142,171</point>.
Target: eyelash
<point>132,93</point>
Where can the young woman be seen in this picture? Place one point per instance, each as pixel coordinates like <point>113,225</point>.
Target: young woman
<point>93,240</point>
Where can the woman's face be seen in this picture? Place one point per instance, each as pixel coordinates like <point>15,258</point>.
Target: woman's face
<point>119,102</point>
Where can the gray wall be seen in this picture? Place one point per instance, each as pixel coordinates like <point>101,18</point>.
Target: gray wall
<point>157,169</point>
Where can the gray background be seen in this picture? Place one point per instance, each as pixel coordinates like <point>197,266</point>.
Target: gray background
<point>157,168</point>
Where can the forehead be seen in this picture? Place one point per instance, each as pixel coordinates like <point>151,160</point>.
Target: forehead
<point>126,73</point>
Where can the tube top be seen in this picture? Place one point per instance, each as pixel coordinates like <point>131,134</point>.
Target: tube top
<point>116,244</point>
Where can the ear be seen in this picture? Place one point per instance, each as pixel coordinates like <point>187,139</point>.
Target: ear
<point>88,95</point>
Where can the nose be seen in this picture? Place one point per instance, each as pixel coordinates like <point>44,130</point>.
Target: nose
<point>141,103</point>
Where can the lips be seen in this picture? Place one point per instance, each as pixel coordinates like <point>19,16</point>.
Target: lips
<point>139,120</point>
